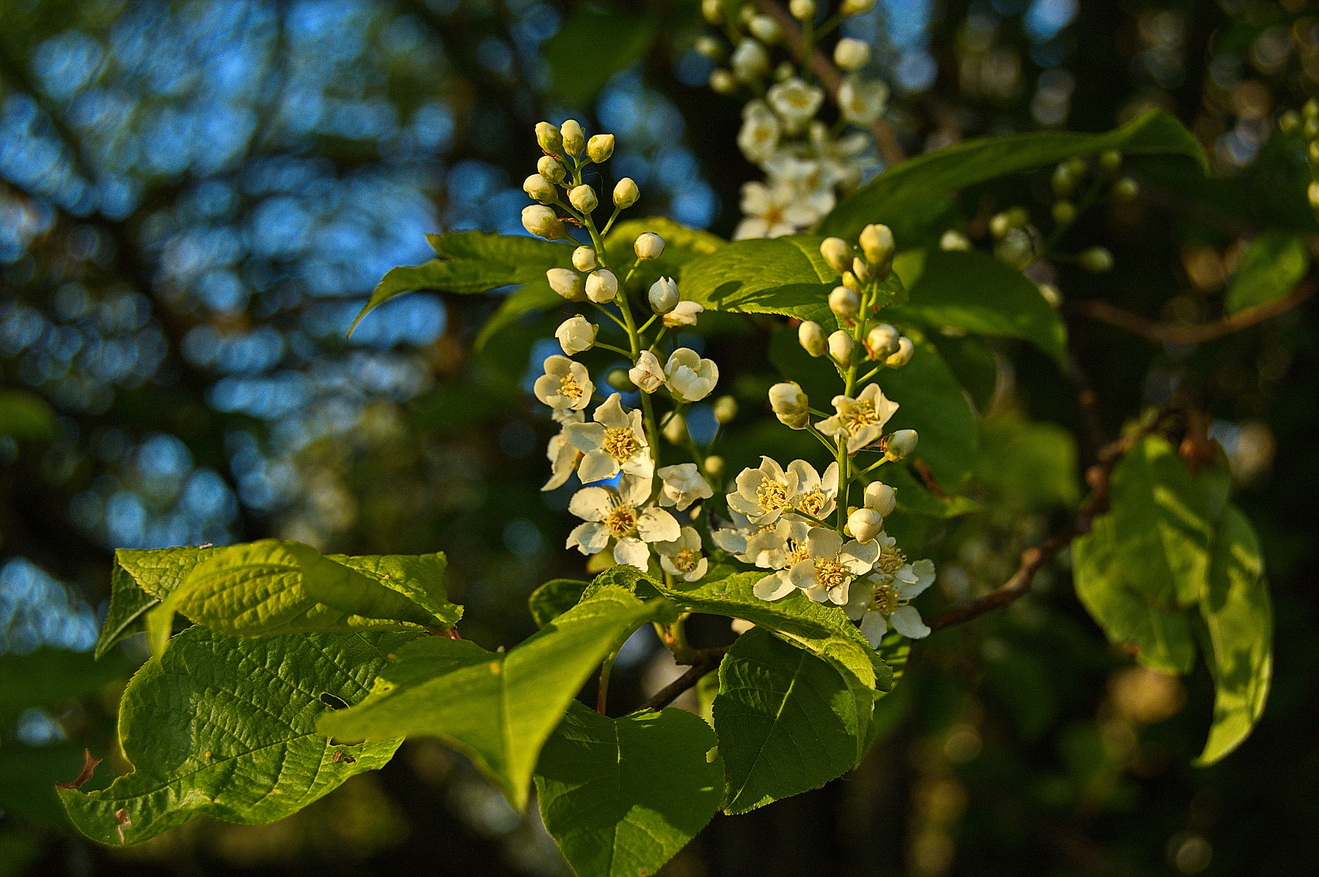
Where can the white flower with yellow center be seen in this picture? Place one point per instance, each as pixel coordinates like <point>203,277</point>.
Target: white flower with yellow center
<point>562,455</point>
<point>624,515</point>
<point>884,598</point>
<point>689,377</point>
<point>814,495</point>
<point>830,565</point>
<point>565,384</point>
<point>860,419</point>
<point>615,442</point>
<point>811,185</point>
<point>682,557</point>
<point>762,493</point>
<point>772,212</point>
<point>759,134</point>
<point>795,102</point>
<point>683,485</point>
<point>861,100</point>
<point>576,334</point>
<point>779,549</point>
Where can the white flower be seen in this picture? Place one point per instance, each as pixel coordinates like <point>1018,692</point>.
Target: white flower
<point>615,442</point>
<point>575,334</point>
<point>815,494</point>
<point>759,134</point>
<point>683,485</point>
<point>647,374</point>
<point>812,187</point>
<point>861,419</point>
<point>762,493</point>
<point>771,213</point>
<point>682,556</point>
<point>865,524</point>
<point>862,101</point>
<point>883,598</point>
<point>622,514</point>
<point>851,54</point>
<point>779,548</point>
<point>841,159</point>
<point>684,313</point>
<point>689,377</point>
<point>795,101</point>
<point>826,573</point>
<point>562,455</point>
<point>565,384</point>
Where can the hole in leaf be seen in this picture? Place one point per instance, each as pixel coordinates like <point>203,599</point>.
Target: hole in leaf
<point>334,702</point>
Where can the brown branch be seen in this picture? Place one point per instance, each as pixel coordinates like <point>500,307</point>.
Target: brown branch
<point>1099,477</point>
<point>830,79</point>
<point>703,661</point>
<point>1194,333</point>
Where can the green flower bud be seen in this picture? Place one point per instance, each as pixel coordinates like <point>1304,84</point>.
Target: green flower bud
<point>549,137</point>
<point>619,380</point>
<point>574,138</point>
<point>851,54</point>
<point>901,444</point>
<point>857,7</point>
<point>713,10</point>
<point>626,193</point>
<point>583,259</point>
<point>714,465</point>
<point>954,241</point>
<point>1110,160</point>
<point>850,281</point>
<point>763,28</point>
<point>905,352</point>
<point>675,429</point>
<point>1096,259</point>
<point>802,10</point>
<point>722,81</point>
<point>1064,212</point>
<point>551,169</point>
<point>583,198</point>
<point>600,147</point>
<point>1077,167</point>
<point>837,253</point>
<point>790,405</point>
<point>1289,122</point>
<point>877,244</point>
<point>1064,183</point>
<point>709,47</point>
<point>1126,189</point>
<point>1000,224</point>
<point>725,409</point>
<point>540,189</point>
<point>844,302</point>
<point>861,270</point>
<point>810,335</point>
<point>1313,194</point>
<point>841,347</point>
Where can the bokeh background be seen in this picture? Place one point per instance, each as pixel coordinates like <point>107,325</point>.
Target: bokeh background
<point>196,197</point>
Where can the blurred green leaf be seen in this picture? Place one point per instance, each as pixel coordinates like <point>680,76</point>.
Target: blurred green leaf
<point>533,297</point>
<point>978,293</point>
<point>917,499</point>
<point>787,721</point>
<point>1238,628</point>
<point>1032,461</point>
<point>911,186</point>
<point>51,677</point>
<point>1273,263</point>
<point>25,415</point>
<point>496,708</point>
<point>226,727</point>
<point>600,797</point>
<point>28,775</point>
<point>611,40</point>
<point>554,598</point>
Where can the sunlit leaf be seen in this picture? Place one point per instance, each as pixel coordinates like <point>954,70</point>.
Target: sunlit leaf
<point>1272,264</point>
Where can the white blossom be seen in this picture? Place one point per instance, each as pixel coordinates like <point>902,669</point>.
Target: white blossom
<point>576,334</point>
<point>689,377</point>
<point>795,101</point>
<point>826,573</point>
<point>684,313</point>
<point>562,455</point>
<point>759,135</point>
<point>624,515</point>
<point>771,213</point>
<point>683,485</point>
<point>614,442</point>
<point>647,374</point>
<point>682,556</point>
<point>565,384</point>
<point>884,598</point>
<point>861,100</point>
<point>861,419</point>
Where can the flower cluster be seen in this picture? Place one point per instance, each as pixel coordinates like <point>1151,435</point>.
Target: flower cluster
<point>806,161</point>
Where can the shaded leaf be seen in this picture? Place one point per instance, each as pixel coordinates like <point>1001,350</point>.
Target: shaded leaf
<point>612,39</point>
<point>226,727</point>
<point>1273,263</point>
<point>554,598</point>
<point>1031,461</point>
<point>25,415</point>
<point>600,798</point>
<point>52,677</point>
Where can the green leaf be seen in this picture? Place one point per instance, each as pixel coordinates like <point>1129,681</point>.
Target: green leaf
<point>1124,607</point>
<point>1273,263</point>
<point>917,499</point>
<point>914,185</point>
<point>1238,627</point>
<point>1031,461</point>
<point>471,262</point>
<point>787,721</point>
<point>682,244</point>
<point>226,727</point>
<point>25,415</point>
<point>978,293</point>
<point>611,39</point>
<point>823,630</point>
<point>1161,524</point>
<point>274,587</point>
<point>497,709</point>
<point>533,297</point>
<point>600,797</point>
<point>53,677</point>
<point>139,580</point>
<point>785,275</point>
<point>554,598</point>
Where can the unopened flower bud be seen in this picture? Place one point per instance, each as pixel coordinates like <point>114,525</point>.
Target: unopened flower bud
<point>763,28</point>
<point>841,347</point>
<point>850,281</point>
<point>1313,194</point>
<point>861,268</point>
<point>1064,183</point>
<point>903,355</point>
<point>790,405</point>
<point>954,241</point>
<point>877,244</point>
<point>1000,224</point>
<point>551,169</point>
<point>750,61</point>
<point>567,283</point>
<point>549,137</point>
<point>576,334</point>
<point>713,10</point>
<point>810,335</point>
<point>709,47</point>
<point>882,341</point>
<point>675,429</point>
<point>663,295</point>
<point>901,444</point>
<point>626,193</point>
<point>1096,259</point>
<point>600,147</point>
<point>722,81</point>
<point>802,10</point>
<point>542,222</point>
<point>844,302</point>
<point>881,498</point>
<point>1110,159</point>
<point>851,54</point>
<point>714,465</point>
<point>1064,212</point>
<point>574,138</point>
<point>648,246</point>
<point>583,198</point>
<point>837,253</point>
<point>540,189</point>
<point>1126,189</point>
<point>1289,122</point>
<point>725,409</point>
<point>601,286</point>
<point>857,7</point>
<point>583,259</point>
<point>864,524</point>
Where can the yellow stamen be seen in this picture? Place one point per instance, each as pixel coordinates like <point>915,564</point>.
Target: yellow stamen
<point>620,443</point>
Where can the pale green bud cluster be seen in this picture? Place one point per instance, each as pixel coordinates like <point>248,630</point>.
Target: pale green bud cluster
<point>1306,124</point>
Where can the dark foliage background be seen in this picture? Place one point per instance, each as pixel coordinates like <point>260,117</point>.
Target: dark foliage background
<point>196,197</point>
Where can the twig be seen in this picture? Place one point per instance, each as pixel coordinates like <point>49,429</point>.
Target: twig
<point>887,139</point>
<point>1195,333</point>
<point>703,661</point>
<point>1034,558</point>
